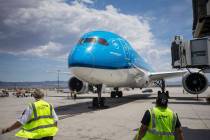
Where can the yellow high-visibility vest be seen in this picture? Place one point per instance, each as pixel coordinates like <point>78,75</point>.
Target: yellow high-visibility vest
<point>41,124</point>
<point>162,124</point>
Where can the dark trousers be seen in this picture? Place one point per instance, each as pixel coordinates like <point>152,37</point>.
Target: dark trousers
<point>45,138</point>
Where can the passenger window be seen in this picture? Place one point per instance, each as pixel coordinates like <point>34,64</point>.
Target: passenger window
<point>102,42</point>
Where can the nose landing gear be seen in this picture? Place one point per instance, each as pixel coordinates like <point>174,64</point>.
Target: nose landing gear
<point>116,93</point>
<point>99,102</point>
<point>161,84</point>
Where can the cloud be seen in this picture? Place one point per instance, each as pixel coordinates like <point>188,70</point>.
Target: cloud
<point>56,21</point>
<point>50,49</point>
<point>84,1</point>
<point>47,28</point>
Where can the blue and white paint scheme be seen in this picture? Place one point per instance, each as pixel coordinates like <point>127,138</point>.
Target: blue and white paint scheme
<point>105,58</point>
<point>102,57</point>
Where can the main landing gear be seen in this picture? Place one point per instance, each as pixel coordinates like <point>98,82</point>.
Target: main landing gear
<point>161,84</point>
<point>98,102</point>
<point>116,92</point>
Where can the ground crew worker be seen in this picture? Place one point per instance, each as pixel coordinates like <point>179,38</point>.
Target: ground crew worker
<point>38,121</point>
<point>74,95</point>
<point>160,122</point>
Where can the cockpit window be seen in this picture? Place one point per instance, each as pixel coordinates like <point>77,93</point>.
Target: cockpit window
<point>81,41</point>
<point>93,40</point>
<point>90,40</point>
<point>103,41</point>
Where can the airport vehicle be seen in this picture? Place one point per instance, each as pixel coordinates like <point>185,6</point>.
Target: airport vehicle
<point>22,93</point>
<point>105,58</point>
<point>4,93</point>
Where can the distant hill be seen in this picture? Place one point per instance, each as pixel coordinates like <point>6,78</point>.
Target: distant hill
<point>54,84</point>
<point>42,84</point>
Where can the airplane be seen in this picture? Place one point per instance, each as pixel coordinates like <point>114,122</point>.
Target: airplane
<point>105,58</point>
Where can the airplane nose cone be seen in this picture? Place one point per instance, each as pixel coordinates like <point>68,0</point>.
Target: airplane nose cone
<point>81,57</point>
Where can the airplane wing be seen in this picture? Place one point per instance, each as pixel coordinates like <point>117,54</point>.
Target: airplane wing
<point>164,75</point>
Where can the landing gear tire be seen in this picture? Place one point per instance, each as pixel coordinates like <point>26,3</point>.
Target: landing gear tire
<point>99,102</point>
<point>167,93</point>
<point>102,102</point>
<point>113,94</point>
<point>96,103</point>
<point>120,94</point>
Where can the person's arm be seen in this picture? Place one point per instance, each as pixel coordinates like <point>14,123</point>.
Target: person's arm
<point>144,125</point>
<point>55,117</point>
<point>180,134</point>
<point>14,126</point>
<point>21,121</point>
<point>142,132</point>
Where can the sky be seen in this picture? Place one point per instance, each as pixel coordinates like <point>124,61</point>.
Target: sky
<point>36,36</point>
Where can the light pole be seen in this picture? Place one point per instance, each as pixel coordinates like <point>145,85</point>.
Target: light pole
<point>58,71</point>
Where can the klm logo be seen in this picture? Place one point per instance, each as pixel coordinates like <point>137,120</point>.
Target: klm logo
<point>43,106</point>
<point>162,117</point>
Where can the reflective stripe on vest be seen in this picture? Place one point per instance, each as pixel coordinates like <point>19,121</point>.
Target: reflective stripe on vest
<point>155,132</point>
<point>174,121</point>
<point>41,123</point>
<point>153,129</point>
<point>40,117</point>
<point>40,127</point>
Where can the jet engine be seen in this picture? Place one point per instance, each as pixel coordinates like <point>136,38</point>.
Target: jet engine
<point>195,83</point>
<point>77,85</point>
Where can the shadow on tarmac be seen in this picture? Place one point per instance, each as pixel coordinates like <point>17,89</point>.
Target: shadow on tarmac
<point>71,110</point>
<point>78,97</point>
<point>196,134</point>
<point>193,103</point>
<point>187,101</point>
<point>188,98</point>
<point>193,134</point>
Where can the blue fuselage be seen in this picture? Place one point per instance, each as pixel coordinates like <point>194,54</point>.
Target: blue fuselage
<point>105,50</point>
<point>102,57</point>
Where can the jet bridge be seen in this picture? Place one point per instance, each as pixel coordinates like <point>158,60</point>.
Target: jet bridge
<point>193,53</point>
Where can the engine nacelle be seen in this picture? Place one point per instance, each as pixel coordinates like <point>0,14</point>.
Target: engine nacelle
<point>77,85</point>
<point>195,83</point>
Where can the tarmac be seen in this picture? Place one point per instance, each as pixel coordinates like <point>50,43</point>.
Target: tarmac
<point>77,121</point>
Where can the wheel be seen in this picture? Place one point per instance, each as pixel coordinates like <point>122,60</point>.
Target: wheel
<point>159,92</point>
<point>167,93</point>
<point>75,96</point>
<point>95,102</point>
<point>119,94</point>
<point>102,102</point>
<point>113,94</point>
